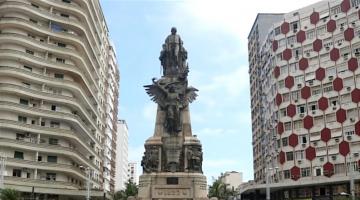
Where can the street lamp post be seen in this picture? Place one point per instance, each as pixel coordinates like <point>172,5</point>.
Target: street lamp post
<point>88,183</point>
<point>351,173</point>
<point>2,171</point>
<point>267,184</point>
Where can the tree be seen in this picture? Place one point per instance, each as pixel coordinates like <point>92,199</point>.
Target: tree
<point>220,190</point>
<point>131,189</point>
<point>9,194</point>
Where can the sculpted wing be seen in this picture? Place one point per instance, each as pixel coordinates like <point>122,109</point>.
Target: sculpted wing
<point>191,94</point>
<point>157,94</point>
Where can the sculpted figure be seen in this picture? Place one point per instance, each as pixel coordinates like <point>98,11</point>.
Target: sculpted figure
<point>173,43</point>
<point>150,160</point>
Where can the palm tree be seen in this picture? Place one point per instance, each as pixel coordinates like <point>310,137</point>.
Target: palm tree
<point>220,190</point>
<point>9,194</point>
<point>131,189</point>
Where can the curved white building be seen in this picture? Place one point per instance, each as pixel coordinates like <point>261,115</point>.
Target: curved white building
<point>58,98</point>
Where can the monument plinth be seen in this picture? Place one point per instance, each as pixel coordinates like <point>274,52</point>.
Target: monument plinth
<point>172,162</point>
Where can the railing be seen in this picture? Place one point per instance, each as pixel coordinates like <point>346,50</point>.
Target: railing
<point>47,15</point>
<point>58,114</point>
<point>71,84</point>
<point>54,65</point>
<point>44,183</point>
<point>57,130</point>
<point>61,167</point>
<point>78,40</point>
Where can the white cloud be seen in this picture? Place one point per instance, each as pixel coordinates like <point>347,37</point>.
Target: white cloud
<point>234,83</point>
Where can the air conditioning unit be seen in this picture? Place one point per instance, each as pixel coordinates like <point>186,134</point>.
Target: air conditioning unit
<point>301,115</point>
<point>337,140</point>
<point>313,112</point>
<point>352,119</point>
<point>303,145</point>
<point>333,157</point>
<point>308,54</point>
<point>334,108</point>
<point>327,48</point>
<point>291,45</point>
<point>299,85</point>
<point>296,100</point>
<point>348,88</point>
<point>349,137</point>
<point>315,144</point>
<point>330,78</point>
<point>356,154</point>
<point>299,161</point>
<point>311,82</point>
<point>321,159</point>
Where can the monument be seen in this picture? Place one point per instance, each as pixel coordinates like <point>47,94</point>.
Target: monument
<point>172,162</point>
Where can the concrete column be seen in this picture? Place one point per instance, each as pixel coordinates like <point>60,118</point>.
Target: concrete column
<point>160,159</point>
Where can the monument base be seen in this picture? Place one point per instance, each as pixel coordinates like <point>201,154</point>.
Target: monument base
<point>168,185</point>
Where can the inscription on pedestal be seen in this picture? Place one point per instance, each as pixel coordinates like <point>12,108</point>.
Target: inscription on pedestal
<point>176,193</point>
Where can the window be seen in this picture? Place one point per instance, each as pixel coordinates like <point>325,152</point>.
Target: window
<point>303,139</point>
<point>339,168</point>
<point>318,171</point>
<point>281,84</point>
<point>53,141</point>
<point>24,102</point>
<point>61,60</point>
<point>286,174</point>
<point>335,10</point>
<point>310,34</point>
<point>26,84</point>
<point>33,21</point>
<point>51,176</point>
<point>301,108</point>
<point>42,123</point>
<point>295,95</point>
<point>287,126</point>
<point>305,172</point>
<point>29,52</point>
<point>19,155</point>
<point>39,158</point>
<point>64,15</point>
<point>53,107</point>
<point>298,124</point>
<point>28,68</point>
<point>22,119</point>
<point>66,1</point>
<point>284,142</point>
<point>277,30</point>
<point>20,136</point>
<point>59,76</point>
<point>17,172</point>
<point>300,155</point>
<point>328,87</point>
<point>61,44</point>
<point>289,156</point>
<point>294,26</point>
<point>355,3</point>
<point>34,5</point>
<point>54,124</point>
<point>52,159</point>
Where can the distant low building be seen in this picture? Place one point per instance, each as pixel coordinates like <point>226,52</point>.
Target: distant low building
<point>121,176</point>
<point>233,179</point>
<point>132,175</point>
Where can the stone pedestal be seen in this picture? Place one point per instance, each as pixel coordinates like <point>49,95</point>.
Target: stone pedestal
<point>167,185</point>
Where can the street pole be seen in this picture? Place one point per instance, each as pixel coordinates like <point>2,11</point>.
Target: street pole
<point>88,184</point>
<point>352,185</point>
<point>267,185</point>
<point>2,171</point>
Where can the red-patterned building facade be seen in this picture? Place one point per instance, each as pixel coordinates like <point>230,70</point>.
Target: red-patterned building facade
<point>309,77</point>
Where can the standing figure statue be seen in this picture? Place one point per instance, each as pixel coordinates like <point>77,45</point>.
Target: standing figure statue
<point>173,44</point>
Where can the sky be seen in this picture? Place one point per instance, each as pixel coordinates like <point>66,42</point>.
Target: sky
<point>215,35</point>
